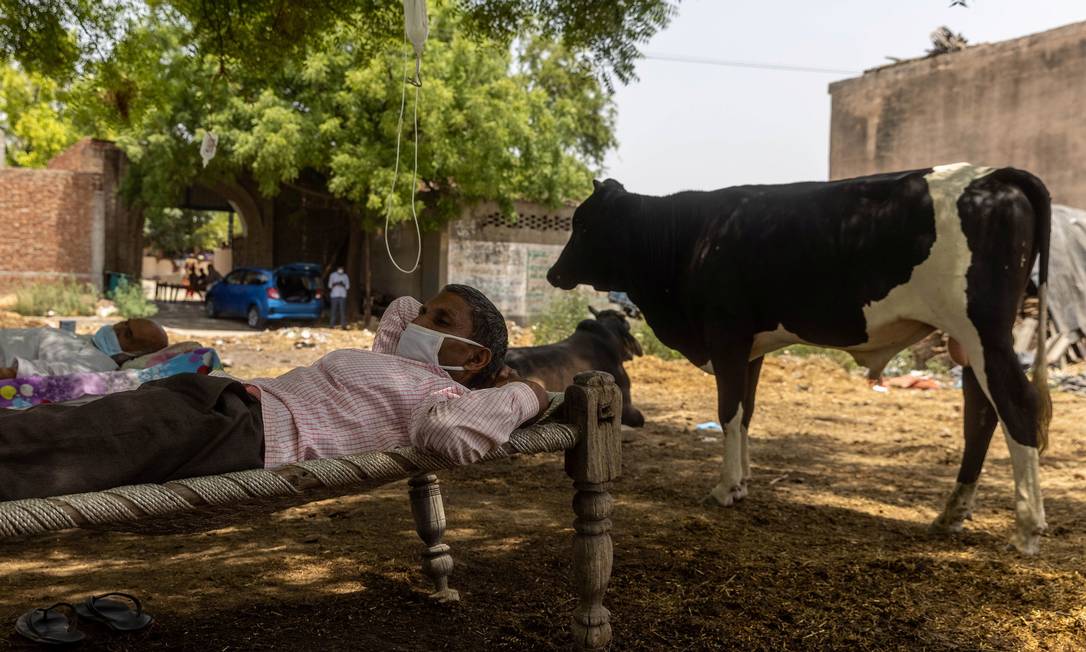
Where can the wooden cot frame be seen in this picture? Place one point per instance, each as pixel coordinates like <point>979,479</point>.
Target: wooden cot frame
<point>585,424</point>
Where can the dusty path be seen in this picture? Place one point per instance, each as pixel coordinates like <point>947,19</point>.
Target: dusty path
<point>830,551</point>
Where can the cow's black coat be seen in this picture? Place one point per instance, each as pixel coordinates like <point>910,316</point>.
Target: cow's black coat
<point>712,270</point>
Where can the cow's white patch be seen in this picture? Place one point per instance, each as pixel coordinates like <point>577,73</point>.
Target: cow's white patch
<point>1029,508</point>
<point>766,342</point>
<point>732,487</point>
<point>958,508</point>
<point>746,455</point>
<point>936,295</point>
<point>769,341</point>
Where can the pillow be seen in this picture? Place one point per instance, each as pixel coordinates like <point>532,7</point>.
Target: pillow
<point>160,356</point>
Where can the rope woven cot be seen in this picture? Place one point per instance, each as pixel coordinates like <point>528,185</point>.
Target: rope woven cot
<point>134,502</point>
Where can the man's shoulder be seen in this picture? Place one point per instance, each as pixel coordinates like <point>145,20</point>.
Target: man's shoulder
<point>377,365</point>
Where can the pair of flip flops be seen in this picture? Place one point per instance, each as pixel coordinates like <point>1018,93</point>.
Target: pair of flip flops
<point>57,624</point>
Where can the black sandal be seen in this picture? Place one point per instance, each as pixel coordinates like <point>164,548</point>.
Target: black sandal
<point>50,625</point>
<point>117,615</point>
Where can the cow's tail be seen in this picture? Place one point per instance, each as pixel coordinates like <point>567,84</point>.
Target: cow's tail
<point>1041,202</point>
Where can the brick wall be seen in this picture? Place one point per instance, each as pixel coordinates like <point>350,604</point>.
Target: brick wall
<point>67,221</point>
<point>1016,103</point>
<point>48,221</point>
<point>84,156</point>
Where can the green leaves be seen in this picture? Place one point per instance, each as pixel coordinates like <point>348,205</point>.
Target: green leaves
<point>495,121</point>
<point>32,117</point>
<point>59,37</point>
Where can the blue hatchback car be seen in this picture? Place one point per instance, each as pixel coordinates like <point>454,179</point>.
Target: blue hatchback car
<point>261,295</point>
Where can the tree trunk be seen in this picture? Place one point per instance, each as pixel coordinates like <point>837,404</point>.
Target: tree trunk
<point>354,245</point>
<point>367,274</point>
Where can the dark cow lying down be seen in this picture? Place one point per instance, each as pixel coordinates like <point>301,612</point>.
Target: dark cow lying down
<point>867,265</point>
<point>600,344</point>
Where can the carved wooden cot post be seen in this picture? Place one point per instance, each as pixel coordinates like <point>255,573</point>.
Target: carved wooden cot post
<point>594,405</point>
<point>429,513</point>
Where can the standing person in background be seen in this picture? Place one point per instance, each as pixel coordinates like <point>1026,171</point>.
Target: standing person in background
<point>189,279</point>
<point>213,275</point>
<point>338,284</point>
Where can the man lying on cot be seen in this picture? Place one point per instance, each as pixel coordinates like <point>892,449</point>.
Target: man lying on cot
<point>435,379</point>
<point>26,352</point>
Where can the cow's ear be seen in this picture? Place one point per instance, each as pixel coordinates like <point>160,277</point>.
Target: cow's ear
<point>595,313</point>
<point>596,185</point>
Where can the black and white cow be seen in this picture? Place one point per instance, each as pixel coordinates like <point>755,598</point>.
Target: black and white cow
<point>868,265</point>
<point>600,344</point>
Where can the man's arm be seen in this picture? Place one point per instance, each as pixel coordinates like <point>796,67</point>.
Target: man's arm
<point>85,360</point>
<point>399,314</point>
<point>60,354</point>
<point>464,428</point>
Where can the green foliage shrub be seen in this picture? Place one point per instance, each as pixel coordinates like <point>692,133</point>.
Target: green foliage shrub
<point>64,298</point>
<point>131,302</point>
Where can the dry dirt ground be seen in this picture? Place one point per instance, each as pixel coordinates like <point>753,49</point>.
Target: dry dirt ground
<point>830,551</point>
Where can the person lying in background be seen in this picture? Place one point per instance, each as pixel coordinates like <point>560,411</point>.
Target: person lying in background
<point>26,352</point>
<point>434,379</point>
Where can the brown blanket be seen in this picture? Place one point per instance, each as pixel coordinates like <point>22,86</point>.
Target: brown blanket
<point>178,427</point>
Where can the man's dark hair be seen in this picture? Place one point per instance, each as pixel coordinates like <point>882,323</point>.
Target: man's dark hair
<point>487,328</point>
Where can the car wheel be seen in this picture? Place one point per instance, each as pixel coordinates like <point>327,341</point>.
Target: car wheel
<point>210,310</point>
<point>255,319</point>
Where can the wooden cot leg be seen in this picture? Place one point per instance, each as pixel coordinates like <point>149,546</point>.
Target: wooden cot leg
<point>429,513</point>
<point>595,407</point>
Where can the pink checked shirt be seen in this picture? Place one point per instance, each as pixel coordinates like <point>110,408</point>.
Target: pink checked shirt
<point>353,401</point>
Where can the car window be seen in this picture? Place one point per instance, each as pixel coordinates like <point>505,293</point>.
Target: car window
<point>310,281</point>
<point>255,278</point>
<point>235,277</point>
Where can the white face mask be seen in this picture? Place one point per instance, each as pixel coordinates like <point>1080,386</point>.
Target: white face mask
<point>422,344</point>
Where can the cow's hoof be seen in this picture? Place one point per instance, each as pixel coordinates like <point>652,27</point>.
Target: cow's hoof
<point>943,525</point>
<point>958,509</point>
<point>1026,544</point>
<point>725,497</point>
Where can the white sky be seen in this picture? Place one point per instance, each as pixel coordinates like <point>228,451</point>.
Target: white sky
<point>694,126</point>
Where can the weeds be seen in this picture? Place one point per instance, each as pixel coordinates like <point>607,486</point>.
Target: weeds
<point>558,322</point>
<point>64,298</point>
<point>131,302</point>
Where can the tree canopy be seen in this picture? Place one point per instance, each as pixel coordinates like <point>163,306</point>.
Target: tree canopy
<point>176,232</point>
<point>33,120</point>
<point>60,37</point>
<point>495,123</point>
<point>515,103</point>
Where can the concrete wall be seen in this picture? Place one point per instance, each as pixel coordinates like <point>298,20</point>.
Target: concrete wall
<point>424,282</point>
<point>508,261</point>
<point>1016,103</point>
<point>168,271</point>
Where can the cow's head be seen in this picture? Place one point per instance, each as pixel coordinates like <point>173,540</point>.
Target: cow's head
<point>615,322</point>
<point>593,255</point>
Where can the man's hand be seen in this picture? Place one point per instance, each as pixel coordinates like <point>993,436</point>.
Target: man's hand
<point>540,395</point>
<point>506,376</point>
<point>509,375</point>
<point>7,372</point>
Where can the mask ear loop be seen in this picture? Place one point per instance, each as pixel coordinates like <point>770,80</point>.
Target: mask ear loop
<point>417,83</point>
